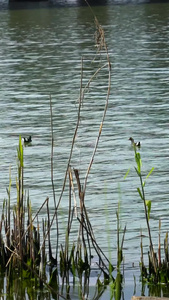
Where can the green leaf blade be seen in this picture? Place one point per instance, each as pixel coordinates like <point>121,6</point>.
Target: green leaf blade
<point>141,196</point>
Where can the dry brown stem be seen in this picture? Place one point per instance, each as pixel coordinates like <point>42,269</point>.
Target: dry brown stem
<point>85,229</point>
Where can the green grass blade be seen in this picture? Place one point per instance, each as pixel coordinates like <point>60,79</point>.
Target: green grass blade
<point>149,173</point>
<point>141,196</point>
<point>148,204</point>
<point>126,173</point>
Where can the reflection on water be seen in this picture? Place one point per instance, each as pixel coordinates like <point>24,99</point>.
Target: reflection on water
<point>40,55</point>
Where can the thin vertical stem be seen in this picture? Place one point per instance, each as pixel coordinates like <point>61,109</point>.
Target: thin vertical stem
<point>148,225</point>
<point>52,179</point>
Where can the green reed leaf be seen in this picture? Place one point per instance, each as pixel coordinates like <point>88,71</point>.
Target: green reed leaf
<point>141,196</point>
<point>150,173</point>
<point>138,161</point>
<point>148,204</point>
<point>144,183</point>
<point>126,173</point>
<point>20,151</point>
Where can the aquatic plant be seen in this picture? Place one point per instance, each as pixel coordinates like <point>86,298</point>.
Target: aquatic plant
<point>147,203</point>
<point>158,269</point>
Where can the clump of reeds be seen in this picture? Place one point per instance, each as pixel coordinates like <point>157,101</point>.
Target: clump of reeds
<point>157,271</point>
<point>20,251</point>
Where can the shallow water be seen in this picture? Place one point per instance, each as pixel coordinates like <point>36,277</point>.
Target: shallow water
<point>40,55</point>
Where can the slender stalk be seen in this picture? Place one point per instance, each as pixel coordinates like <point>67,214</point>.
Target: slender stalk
<point>159,245</point>
<point>69,160</point>
<point>142,194</point>
<point>148,224</point>
<point>52,178</point>
<point>96,246</point>
<point>49,242</point>
<point>52,151</point>
<point>102,43</point>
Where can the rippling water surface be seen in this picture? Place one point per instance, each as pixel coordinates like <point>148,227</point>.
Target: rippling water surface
<point>40,55</point>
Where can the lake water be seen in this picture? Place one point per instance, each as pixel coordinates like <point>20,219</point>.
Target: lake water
<point>40,55</point>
